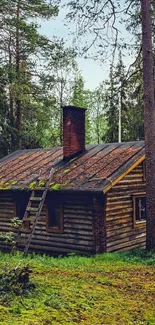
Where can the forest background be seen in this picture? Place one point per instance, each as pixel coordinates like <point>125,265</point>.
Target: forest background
<point>39,73</point>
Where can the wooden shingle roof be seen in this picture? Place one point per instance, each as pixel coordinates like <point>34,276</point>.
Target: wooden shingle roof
<point>97,169</point>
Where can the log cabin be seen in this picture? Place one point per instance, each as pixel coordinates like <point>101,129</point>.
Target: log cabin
<point>95,200</point>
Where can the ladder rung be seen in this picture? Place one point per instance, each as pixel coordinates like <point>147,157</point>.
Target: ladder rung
<point>36,198</point>
<point>32,213</point>
<point>30,209</point>
<point>31,218</point>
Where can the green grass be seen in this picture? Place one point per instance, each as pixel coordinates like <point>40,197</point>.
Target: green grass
<point>116,288</point>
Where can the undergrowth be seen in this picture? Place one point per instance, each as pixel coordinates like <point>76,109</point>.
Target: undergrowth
<point>14,282</point>
<point>104,289</point>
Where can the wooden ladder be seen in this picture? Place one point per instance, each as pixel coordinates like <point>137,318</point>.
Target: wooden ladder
<point>32,214</point>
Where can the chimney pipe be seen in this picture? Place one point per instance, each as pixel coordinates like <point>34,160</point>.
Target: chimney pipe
<point>73,131</point>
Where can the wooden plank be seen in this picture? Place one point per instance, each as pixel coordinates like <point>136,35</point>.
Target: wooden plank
<point>122,217</point>
<point>59,250</point>
<point>112,233</point>
<point>78,231</point>
<point>127,245</point>
<point>141,245</point>
<point>49,241</point>
<point>79,217</point>
<point>65,235</point>
<point>119,226</point>
<point>116,199</point>
<point>77,226</point>
<point>118,212</point>
<point>118,207</point>
<point>125,238</point>
<point>76,221</point>
<point>131,187</point>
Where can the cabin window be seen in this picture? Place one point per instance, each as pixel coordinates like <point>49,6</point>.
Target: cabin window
<point>139,209</point>
<point>20,203</point>
<point>54,211</point>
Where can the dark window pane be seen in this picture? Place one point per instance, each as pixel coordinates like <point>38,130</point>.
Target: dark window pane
<point>21,200</point>
<point>53,215</point>
<point>140,208</point>
<point>137,208</point>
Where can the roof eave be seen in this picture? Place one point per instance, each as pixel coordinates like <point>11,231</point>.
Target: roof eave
<point>126,170</point>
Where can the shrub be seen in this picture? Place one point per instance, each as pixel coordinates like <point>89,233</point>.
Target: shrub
<point>15,281</point>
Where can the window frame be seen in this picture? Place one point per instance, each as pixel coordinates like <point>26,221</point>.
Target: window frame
<point>61,207</point>
<point>137,223</point>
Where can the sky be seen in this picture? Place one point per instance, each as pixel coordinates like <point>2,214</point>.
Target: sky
<point>93,72</point>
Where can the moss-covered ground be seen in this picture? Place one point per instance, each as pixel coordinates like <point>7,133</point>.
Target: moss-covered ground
<point>99,290</point>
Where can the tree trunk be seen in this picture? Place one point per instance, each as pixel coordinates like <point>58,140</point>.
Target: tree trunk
<point>11,100</point>
<point>18,101</point>
<point>10,87</point>
<point>149,122</point>
<point>61,105</point>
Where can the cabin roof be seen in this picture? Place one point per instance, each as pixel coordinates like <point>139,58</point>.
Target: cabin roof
<point>96,169</point>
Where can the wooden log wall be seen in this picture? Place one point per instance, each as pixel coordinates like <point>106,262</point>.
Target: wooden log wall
<point>6,214</point>
<point>120,232</point>
<point>78,230</point>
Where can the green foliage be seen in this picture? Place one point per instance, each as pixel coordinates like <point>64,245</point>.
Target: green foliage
<point>5,186</point>
<point>32,185</point>
<point>93,102</point>
<point>118,288</point>
<point>79,94</point>
<point>16,222</point>
<point>30,63</point>
<point>14,282</point>
<point>8,237</point>
<point>57,186</point>
<point>13,182</point>
<point>97,115</point>
<point>128,95</point>
<point>11,237</point>
<point>41,183</point>
<point>66,171</point>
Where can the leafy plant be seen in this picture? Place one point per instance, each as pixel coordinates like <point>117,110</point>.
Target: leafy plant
<point>11,237</point>
<point>13,182</point>
<point>57,186</point>
<point>41,183</point>
<point>32,185</point>
<point>66,171</point>
<point>16,222</point>
<point>15,281</point>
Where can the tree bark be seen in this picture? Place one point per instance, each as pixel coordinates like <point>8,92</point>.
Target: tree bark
<point>61,105</point>
<point>149,122</point>
<point>11,110</point>
<point>18,101</point>
<point>11,99</point>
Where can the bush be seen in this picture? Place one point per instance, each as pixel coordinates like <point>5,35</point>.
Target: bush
<point>15,281</point>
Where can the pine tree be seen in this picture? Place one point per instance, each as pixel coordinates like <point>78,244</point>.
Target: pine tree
<point>21,45</point>
<point>81,97</point>
<point>112,102</point>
